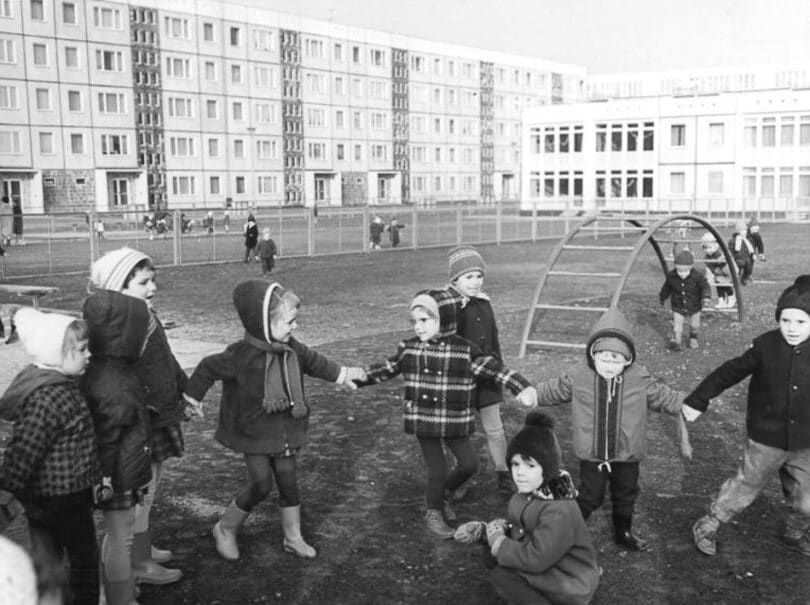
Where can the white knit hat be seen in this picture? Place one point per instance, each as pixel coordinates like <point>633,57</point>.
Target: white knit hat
<point>42,334</point>
<point>427,302</point>
<point>18,583</point>
<point>111,270</point>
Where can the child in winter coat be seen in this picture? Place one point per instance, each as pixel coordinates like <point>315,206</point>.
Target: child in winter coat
<point>542,552</point>
<point>777,421</point>
<point>742,251</point>
<point>51,461</point>
<point>439,369</point>
<point>118,327</point>
<point>131,272</point>
<point>688,291</point>
<point>755,238</point>
<point>267,252</point>
<point>610,396</point>
<point>476,323</point>
<point>251,231</point>
<point>717,272</point>
<point>263,412</point>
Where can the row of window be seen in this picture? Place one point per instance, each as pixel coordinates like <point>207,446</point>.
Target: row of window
<point>111,144</point>
<point>103,17</point>
<point>767,132</point>
<point>444,184</point>
<point>105,60</point>
<point>108,102</point>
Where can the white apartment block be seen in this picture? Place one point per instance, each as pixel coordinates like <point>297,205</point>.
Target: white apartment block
<point>108,105</point>
<point>736,152</point>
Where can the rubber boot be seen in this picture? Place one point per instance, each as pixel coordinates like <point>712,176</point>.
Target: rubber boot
<point>160,555</point>
<point>144,569</point>
<point>732,302</point>
<point>120,593</point>
<point>704,531</point>
<point>226,529</point>
<point>693,340</point>
<point>434,519</point>
<point>293,540</point>
<point>622,526</point>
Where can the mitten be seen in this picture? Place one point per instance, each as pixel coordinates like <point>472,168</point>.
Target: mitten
<point>496,533</point>
<point>470,532</point>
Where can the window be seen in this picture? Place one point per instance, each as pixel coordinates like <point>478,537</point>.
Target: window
<point>236,74</point>
<point>181,146</point>
<point>340,151</point>
<point>210,71</point>
<point>316,117</point>
<point>316,151</point>
<point>77,144</point>
<point>677,182</point>
<point>616,137</point>
<point>647,184</point>
<point>178,68</point>
<point>5,8</point>
<point>357,87</point>
<point>265,113</point>
<point>804,131</point>
<point>767,185</point>
<point>46,143</point>
<point>106,18</point>
<point>715,181</point>
<point>717,133</point>
<point>266,149</point>
<point>240,184</point>
<point>786,133</point>
<point>340,86</point>
<point>357,120</point>
<point>379,121</point>
<point>601,137</point>
<point>313,48</point>
<point>8,97</point>
<point>180,107</point>
<point>786,183</point>
<point>263,39</point>
<point>377,57</point>
<point>213,185</point>
<point>234,36</point>
<point>355,54</point>
<point>213,148</point>
<point>177,28</point>
<point>237,111</point>
<point>7,54</point>
<point>111,102</point>
<point>109,60</point>
<point>315,83</point>
<point>38,10</point>
<point>677,137</point>
<point>183,185</point>
<point>264,77</point>
<point>71,57</point>
<point>208,32</point>
<point>43,98</point>
<point>340,118</point>
<point>267,184</point>
<point>417,63</point>
<point>113,144</point>
<point>338,52</point>
<point>768,133</point>
<point>68,13</point>
<point>750,136</point>
<point>379,152</point>
<point>238,148</point>
<point>74,100</point>
<point>9,141</point>
<point>358,152</point>
<point>40,54</point>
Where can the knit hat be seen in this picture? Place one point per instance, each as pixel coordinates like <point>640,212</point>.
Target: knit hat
<point>753,222</point>
<point>684,259</point>
<point>18,582</point>
<point>613,344</point>
<point>708,238</point>
<point>537,440</point>
<point>795,296</point>
<point>111,270</point>
<point>42,334</point>
<point>426,301</point>
<point>464,259</point>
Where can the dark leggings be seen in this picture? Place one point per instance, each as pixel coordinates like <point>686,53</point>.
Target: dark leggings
<point>512,586</point>
<point>262,468</point>
<point>438,480</point>
<point>624,489</point>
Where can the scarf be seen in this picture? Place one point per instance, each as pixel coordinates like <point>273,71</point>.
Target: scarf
<point>282,378</point>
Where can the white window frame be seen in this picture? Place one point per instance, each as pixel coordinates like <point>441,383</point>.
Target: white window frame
<point>177,28</point>
<point>9,96</point>
<point>75,94</point>
<point>116,60</point>
<point>47,138</point>
<point>77,146</point>
<point>10,142</point>
<point>7,51</point>
<point>105,17</point>
<point>112,103</point>
<point>114,144</point>
<point>36,46</point>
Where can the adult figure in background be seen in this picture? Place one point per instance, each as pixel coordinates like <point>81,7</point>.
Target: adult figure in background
<point>5,210</point>
<point>393,231</point>
<point>251,231</point>
<point>17,221</point>
<point>376,229</point>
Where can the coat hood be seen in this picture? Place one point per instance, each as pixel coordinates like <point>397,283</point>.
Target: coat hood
<point>252,301</point>
<point>26,382</point>
<point>447,307</point>
<point>612,323</point>
<point>118,324</point>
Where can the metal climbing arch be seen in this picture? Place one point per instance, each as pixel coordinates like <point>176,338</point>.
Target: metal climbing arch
<point>611,227</point>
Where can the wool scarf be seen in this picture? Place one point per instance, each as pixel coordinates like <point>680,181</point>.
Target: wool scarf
<point>282,378</point>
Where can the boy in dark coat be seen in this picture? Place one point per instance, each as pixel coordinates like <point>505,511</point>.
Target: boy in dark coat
<point>756,238</point>
<point>777,421</point>
<point>251,231</point>
<point>267,252</point>
<point>688,292</point>
<point>742,250</point>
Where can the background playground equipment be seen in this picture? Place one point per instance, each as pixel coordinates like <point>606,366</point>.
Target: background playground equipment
<point>608,259</point>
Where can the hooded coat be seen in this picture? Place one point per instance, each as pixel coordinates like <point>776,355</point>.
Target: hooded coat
<point>440,377</point>
<point>251,232</point>
<point>244,425</point>
<point>609,418</point>
<point>118,325</point>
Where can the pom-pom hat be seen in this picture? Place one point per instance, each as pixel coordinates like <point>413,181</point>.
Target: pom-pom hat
<point>795,296</point>
<point>464,259</point>
<point>42,334</point>
<point>111,270</point>
<point>537,440</point>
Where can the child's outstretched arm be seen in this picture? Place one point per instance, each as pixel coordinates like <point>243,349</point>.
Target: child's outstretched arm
<point>491,367</point>
<point>555,391</point>
<point>318,365</point>
<point>720,379</point>
<point>388,369</point>
<point>219,366</point>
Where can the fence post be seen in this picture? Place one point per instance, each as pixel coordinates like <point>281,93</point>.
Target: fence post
<point>93,244</point>
<point>534,220</point>
<point>176,238</point>
<point>459,230</point>
<point>310,234</point>
<point>498,223</point>
<point>49,222</point>
<point>414,238</point>
<point>366,241</point>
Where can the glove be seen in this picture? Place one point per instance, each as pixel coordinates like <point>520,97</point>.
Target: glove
<point>104,491</point>
<point>10,509</point>
<point>470,532</point>
<point>496,533</point>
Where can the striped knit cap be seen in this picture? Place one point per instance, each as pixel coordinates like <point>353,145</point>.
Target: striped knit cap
<point>464,259</point>
<point>111,270</point>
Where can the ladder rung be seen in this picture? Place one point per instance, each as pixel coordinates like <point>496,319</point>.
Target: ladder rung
<point>583,274</point>
<point>578,247</point>
<point>571,308</point>
<point>554,343</point>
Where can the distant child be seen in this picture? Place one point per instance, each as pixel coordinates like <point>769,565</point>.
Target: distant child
<point>717,272</point>
<point>777,421</point>
<point>394,228</point>
<point>267,252</point>
<point>118,330</point>
<point>51,461</point>
<point>742,250</point>
<point>756,238</point>
<point>439,369</point>
<point>376,229</point>
<point>263,412</point>
<point>208,222</point>
<point>542,552</point>
<point>251,231</point>
<point>610,396</point>
<point>476,323</point>
<point>132,273</point>
<point>688,292</point>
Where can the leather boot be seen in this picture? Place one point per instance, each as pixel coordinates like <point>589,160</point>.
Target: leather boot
<point>434,519</point>
<point>704,531</point>
<point>160,555</point>
<point>622,526</point>
<point>293,540</point>
<point>144,569</point>
<point>225,531</point>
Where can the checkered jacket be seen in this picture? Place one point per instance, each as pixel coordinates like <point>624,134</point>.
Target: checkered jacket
<point>439,380</point>
<point>52,450</point>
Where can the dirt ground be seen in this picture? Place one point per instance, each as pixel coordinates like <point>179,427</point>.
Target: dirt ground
<point>361,478</point>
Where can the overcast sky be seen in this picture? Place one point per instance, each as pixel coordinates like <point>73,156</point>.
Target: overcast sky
<point>603,35</point>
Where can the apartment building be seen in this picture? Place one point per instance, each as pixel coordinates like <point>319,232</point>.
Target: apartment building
<point>109,105</point>
<point>737,151</point>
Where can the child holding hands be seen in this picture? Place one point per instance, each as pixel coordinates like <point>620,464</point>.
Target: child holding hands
<point>777,421</point>
<point>263,412</point>
<point>542,552</point>
<point>439,369</point>
<point>50,462</point>
<point>610,396</point>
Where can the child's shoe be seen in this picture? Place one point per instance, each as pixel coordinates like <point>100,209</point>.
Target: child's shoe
<point>434,519</point>
<point>704,531</point>
<point>471,532</point>
<point>624,536</point>
<point>693,342</point>
<point>674,345</point>
<point>505,484</point>
<point>798,540</point>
